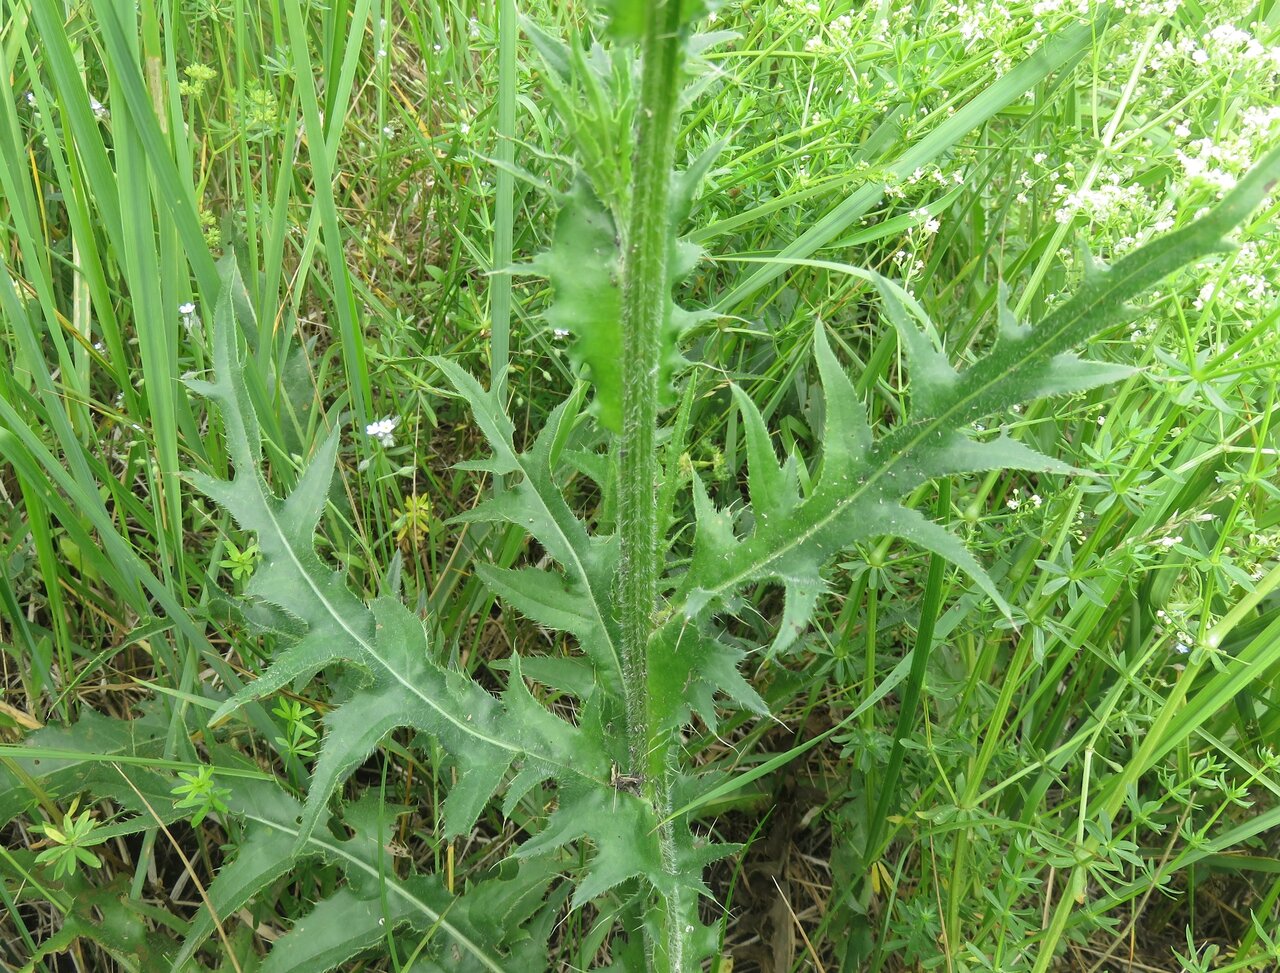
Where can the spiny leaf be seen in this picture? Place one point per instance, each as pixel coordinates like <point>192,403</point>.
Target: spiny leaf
<point>584,266</point>
<point>624,832</point>
<point>856,495</point>
<point>342,925</point>
<point>95,736</point>
<point>373,903</point>
<point>111,919</point>
<point>406,686</point>
<point>688,667</point>
<point>581,600</point>
<point>621,826</point>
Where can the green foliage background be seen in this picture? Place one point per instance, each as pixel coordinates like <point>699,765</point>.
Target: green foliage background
<point>1064,753</point>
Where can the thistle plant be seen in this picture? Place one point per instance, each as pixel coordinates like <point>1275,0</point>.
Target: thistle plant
<point>585,753</point>
<point>654,655</point>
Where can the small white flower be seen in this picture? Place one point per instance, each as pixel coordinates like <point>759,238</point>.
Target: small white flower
<point>561,332</point>
<point>1205,296</point>
<point>31,98</point>
<point>98,108</point>
<point>383,430</point>
<point>1181,647</point>
<point>389,131</point>
<point>185,309</point>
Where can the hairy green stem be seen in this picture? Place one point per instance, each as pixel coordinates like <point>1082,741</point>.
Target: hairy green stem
<point>646,293</point>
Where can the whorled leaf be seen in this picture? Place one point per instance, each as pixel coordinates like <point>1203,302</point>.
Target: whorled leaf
<point>406,686</point>
<point>856,495</point>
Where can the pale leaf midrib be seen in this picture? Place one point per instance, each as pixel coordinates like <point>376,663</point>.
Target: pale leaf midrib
<point>578,566</point>
<point>468,730</point>
<point>393,888</point>
<point>1133,268</point>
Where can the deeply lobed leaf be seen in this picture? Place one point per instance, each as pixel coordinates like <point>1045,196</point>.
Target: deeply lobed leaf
<point>584,267</point>
<point>374,901</point>
<point>405,686</point>
<point>857,494</point>
<point>579,600</point>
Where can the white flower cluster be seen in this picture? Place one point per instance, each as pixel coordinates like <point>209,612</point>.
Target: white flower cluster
<point>1113,202</point>
<point>1215,162</point>
<point>1226,46</point>
<point>832,36</point>
<point>1042,8</point>
<point>840,34</point>
<point>927,223</point>
<point>1230,41</point>
<point>1148,8</point>
<point>1183,640</point>
<point>1015,500</point>
<point>383,430</point>
<point>980,21</point>
<point>1253,273</point>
